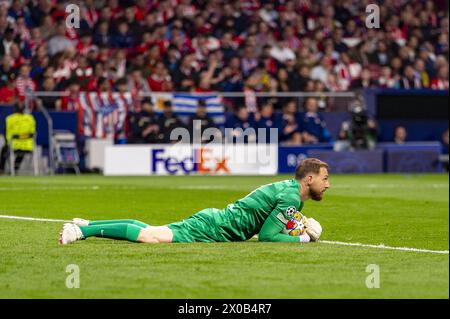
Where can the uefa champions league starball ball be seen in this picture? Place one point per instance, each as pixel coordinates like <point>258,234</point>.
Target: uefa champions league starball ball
<point>295,226</point>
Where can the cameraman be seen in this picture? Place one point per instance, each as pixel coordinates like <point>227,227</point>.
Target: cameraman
<point>358,134</point>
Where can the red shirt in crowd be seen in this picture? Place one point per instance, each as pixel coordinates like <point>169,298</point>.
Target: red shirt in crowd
<point>7,95</point>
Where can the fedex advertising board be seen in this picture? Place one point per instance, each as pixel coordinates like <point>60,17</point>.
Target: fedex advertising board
<point>185,159</point>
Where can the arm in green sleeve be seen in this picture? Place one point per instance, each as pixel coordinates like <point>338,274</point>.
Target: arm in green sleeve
<point>270,231</point>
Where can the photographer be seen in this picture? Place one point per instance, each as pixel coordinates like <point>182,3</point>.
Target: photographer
<point>358,134</point>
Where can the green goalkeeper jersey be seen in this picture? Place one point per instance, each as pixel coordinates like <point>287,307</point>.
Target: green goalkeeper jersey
<point>266,211</point>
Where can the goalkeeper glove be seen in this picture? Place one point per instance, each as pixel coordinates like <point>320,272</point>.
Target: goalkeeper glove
<point>313,229</point>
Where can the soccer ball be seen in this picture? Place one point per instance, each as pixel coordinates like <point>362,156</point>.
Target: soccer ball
<point>295,226</point>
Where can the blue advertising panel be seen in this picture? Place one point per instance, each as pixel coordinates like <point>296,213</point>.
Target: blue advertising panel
<point>412,157</point>
<point>351,162</point>
<point>290,156</point>
<point>413,161</point>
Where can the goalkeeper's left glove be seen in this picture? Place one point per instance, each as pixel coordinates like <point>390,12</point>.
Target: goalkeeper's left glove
<point>313,229</point>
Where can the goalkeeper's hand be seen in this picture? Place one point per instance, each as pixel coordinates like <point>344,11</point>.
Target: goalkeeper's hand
<point>313,229</point>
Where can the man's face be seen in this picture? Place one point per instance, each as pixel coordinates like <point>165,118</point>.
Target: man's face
<point>319,184</point>
<point>147,107</point>
<point>311,105</point>
<point>201,110</point>
<point>243,114</point>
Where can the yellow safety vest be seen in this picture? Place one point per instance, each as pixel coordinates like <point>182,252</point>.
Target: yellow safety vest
<point>21,125</point>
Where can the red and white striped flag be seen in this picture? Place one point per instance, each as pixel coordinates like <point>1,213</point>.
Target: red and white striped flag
<point>104,114</point>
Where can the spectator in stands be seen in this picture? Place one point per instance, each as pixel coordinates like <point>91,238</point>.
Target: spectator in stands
<point>6,41</point>
<point>144,126</point>
<point>281,84</point>
<point>104,85</point>
<point>137,83</point>
<point>49,102</point>
<point>121,86</point>
<point>386,80</point>
<point>17,10</point>
<point>19,131</point>
<point>169,122</point>
<point>184,77</point>
<point>6,69</point>
<point>172,58</point>
<point>440,82</point>
<point>281,52</point>
<point>124,37</point>
<point>291,125</point>
<point>8,90</point>
<point>160,79</point>
<point>24,83</point>
<point>380,56</point>
<point>102,36</point>
<point>422,74</point>
<point>243,123</point>
<point>259,79</point>
<point>410,79</point>
<point>248,62</point>
<point>297,76</point>
<point>322,101</point>
<point>313,124</point>
<point>71,102</point>
<point>200,122</point>
<point>347,71</point>
<point>60,42</point>
<point>321,71</point>
<point>365,81</point>
<point>267,119</point>
<point>400,135</point>
<point>332,84</point>
<point>233,78</point>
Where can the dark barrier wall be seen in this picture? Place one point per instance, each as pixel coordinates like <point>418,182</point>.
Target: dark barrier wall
<point>418,105</point>
<point>424,113</point>
<point>425,130</point>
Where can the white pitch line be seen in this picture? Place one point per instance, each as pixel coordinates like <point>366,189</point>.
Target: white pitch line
<point>35,219</point>
<point>381,246</point>
<point>49,188</point>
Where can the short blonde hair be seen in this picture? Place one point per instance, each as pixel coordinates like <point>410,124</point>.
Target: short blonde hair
<point>309,165</point>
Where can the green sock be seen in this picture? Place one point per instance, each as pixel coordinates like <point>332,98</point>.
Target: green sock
<point>118,221</point>
<point>117,231</point>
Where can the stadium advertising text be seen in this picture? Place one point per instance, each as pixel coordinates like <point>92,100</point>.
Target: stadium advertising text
<point>186,159</point>
<point>200,162</point>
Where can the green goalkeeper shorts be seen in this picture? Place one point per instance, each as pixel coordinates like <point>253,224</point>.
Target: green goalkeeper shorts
<point>201,227</point>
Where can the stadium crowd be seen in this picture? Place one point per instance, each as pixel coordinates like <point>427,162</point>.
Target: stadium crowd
<point>230,46</point>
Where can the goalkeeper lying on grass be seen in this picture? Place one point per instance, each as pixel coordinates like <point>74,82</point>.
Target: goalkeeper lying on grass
<point>265,211</point>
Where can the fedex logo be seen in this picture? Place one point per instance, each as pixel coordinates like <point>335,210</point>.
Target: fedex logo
<point>200,161</point>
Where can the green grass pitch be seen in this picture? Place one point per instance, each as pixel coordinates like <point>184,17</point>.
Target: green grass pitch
<point>394,210</point>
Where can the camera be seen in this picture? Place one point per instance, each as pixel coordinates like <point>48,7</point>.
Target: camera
<point>360,129</point>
